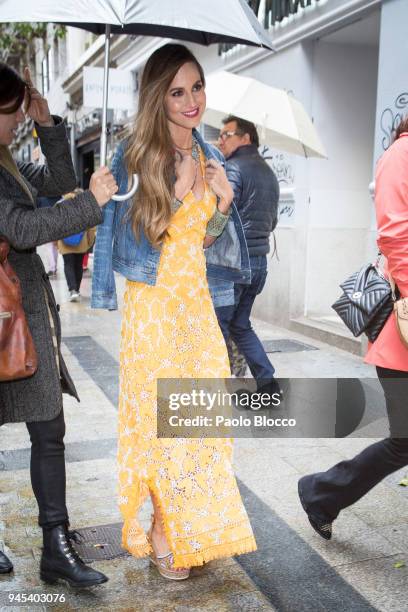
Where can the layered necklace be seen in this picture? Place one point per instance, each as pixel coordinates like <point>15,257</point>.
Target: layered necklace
<point>195,154</point>
<point>195,150</point>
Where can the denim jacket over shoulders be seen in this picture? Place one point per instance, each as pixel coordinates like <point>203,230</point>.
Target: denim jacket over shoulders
<point>117,250</point>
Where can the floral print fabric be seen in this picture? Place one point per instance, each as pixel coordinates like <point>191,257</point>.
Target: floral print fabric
<point>170,330</point>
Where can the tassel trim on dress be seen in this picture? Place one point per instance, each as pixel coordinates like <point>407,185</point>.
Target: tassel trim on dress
<point>218,551</point>
<point>194,559</point>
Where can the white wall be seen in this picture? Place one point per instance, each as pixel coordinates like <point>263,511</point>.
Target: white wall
<point>344,101</point>
<point>393,71</point>
<point>333,210</point>
<point>283,296</point>
<point>74,47</point>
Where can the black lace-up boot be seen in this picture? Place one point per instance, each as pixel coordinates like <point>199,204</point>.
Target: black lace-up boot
<point>6,565</point>
<point>60,561</point>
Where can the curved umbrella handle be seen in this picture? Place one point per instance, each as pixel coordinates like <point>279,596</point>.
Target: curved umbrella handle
<point>129,194</point>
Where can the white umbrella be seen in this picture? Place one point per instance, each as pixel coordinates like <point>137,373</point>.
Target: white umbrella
<point>204,22</point>
<point>200,21</point>
<point>282,120</point>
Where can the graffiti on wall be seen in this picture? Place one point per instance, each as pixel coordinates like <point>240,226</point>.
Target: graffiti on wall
<point>280,165</point>
<point>285,175</point>
<point>391,118</point>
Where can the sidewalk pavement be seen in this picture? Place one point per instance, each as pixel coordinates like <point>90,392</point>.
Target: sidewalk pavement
<point>294,570</point>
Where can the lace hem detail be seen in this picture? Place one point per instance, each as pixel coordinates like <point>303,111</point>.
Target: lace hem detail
<point>219,551</point>
<point>142,550</point>
<point>134,540</point>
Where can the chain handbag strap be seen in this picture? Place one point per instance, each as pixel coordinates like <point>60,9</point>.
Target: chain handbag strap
<point>381,272</point>
<point>400,308</point>
<point>393,288</point>
<point>378,261</point>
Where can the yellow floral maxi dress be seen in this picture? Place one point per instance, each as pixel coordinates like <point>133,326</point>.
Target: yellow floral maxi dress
<point>170,330</point>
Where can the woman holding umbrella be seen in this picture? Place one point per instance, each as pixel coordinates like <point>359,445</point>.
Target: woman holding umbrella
<point>169,328</point>
<point>38,400</point>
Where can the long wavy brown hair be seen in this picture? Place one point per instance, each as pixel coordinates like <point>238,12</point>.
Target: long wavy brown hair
<point>150,151</point>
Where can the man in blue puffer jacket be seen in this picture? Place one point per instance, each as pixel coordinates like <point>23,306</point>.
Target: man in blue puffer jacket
<point>256,196</point>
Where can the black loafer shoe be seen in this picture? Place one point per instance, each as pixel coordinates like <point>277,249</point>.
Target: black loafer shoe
<point>6,565</point>
<point>323,528</point>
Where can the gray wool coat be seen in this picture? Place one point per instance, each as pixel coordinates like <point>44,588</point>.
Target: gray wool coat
<point>39,398</point>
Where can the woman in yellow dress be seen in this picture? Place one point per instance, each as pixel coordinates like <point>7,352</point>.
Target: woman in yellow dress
<point>170,330</point>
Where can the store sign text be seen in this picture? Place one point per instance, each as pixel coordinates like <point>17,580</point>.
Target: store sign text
<point>121,88</point>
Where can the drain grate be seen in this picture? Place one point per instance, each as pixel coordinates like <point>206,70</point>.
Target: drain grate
<point>99,543</point>
<point>286,346</point>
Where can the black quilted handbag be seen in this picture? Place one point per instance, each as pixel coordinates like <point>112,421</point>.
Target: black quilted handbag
<point>366,303</point>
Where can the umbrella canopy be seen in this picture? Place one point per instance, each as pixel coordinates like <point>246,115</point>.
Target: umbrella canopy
<point>205,22</point>
<point>282,120</point>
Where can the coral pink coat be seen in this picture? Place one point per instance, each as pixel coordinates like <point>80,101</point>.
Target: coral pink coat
<point>391,201</point>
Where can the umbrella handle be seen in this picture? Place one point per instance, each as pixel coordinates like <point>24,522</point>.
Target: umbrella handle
<point>104,135</point>
<point>129,194</point>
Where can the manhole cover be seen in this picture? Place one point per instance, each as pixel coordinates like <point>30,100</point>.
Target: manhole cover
<point>286,346</point>
<point>99,543</point>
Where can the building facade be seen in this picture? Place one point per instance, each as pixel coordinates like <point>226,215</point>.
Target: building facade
<point>345,60</point>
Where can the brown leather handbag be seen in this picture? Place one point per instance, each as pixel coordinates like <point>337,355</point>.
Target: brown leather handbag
<point>18,357</point>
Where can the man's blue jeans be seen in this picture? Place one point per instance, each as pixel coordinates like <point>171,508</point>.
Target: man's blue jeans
<point>235,321</point>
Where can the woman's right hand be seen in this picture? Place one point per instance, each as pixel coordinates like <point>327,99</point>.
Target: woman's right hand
<point>103,185</point>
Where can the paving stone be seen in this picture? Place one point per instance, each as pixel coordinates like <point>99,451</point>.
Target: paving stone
<point>315,460</point>
<point>397,534</point>
<point>380,582</point>
<point>293,571</point>
<point>382,506</point>
<point>253,467</point>
<point>281,564</point>
<point>353,541</point>
<point>393,481</point>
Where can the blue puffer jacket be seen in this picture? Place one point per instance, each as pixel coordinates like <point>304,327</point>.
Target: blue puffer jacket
<point>256,191</point>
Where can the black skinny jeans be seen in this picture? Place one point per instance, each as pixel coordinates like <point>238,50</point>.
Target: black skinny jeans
<point>48,470</point>
<point>327,493</point>
<point>73,270</point>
